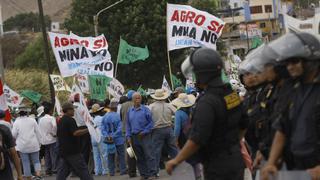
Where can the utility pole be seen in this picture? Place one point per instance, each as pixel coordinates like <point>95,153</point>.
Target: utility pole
<point>46,50</point>
<point>1,38</point>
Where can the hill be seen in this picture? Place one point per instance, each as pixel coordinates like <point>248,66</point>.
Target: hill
<point>58,10</point>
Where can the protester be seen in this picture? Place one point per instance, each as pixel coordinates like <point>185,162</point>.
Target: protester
<point>70,158</point>
<point>139,128</point>
<point>162,133</point>
<point>8,153</point>
<point>48,129</point>
<point>99,148</point>
<point>298,125</point>
<point>3,121</point>
<point>183,103</point>
<point>28,137</point>
<point>214,135</point>
<point>85,141</point>
<point>111,129</point>
<point>132,169</point>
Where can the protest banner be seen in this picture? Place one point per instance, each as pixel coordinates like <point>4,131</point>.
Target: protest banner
<point>115,88</point>
<point>165,85</point>
<point>58,83</point>
<point>13,99</point>
<point>73,52</point>
<point>98,86</point>
<point>3,104</point>
<point>84,112</point>
<point>189,27</point>
<point>105,68</point>
<point>83,83</point>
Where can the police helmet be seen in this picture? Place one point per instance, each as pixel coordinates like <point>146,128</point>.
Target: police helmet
<point>304,46</point>
<point>205,63</point>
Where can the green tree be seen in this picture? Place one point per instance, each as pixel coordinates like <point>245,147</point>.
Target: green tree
<point>33,56</point>
<point>25,22</point>
<point>140,23</point>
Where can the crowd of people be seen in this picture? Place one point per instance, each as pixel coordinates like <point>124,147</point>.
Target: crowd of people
<point>222,132</point>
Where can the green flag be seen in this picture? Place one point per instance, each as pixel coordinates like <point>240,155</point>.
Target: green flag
<point>128,54</point>
<point>31,95</point>
<point>98,86</point>
<point>224,77</point>
<point>176,82</point>
<point>256,42</point>
<point>142,91</point>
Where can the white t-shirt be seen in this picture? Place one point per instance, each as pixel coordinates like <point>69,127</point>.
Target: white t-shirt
<point>48,129</point>
<point>26,132</point>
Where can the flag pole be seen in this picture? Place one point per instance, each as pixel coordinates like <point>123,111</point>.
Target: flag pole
<point>168,53</point>
<point>116,70</point>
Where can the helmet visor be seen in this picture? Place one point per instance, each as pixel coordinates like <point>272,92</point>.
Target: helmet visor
<point>286,47</point>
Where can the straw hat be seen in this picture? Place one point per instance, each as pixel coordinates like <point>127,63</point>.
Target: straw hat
<point>160,94</point>
<point>95,108</point>
<point>40,110</point>
<point>131,152</point>
<point>184,100</point>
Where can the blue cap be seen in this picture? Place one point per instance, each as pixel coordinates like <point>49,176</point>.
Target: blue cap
<point>130,94</point>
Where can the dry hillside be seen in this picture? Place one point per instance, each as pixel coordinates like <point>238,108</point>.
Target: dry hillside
<point>56,9</point>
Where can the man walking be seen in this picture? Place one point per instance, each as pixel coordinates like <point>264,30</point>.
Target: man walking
<point>162,133</point>
<point>70,157</point>
<point>139,127</point>
<point>48,130</point>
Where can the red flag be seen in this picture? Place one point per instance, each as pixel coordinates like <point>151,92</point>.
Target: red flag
<point>3,104</point>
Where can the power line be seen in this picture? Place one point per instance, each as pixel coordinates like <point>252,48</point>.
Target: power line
<point>18,6</point>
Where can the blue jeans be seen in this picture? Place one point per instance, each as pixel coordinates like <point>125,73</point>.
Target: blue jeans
<point>145,157</point>
<point>122,161</point>
<point>25,158</point>
<point>50,158</point>
<point>163,137</point>
<point>100,158</point>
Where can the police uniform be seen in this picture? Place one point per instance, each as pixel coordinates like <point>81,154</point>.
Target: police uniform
<point>301,124</point>
<point>216,121</point>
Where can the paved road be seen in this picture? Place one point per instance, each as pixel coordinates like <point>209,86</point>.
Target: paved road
<point>163,176</point>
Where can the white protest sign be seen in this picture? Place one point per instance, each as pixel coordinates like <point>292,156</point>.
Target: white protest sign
<point>104,68</point>
<point>83,83</point>
<point>72,52</point>
<point>58,83</point>
<point>115,88</point>
<point>58,106</point>
<point>189,27</point>
<point>84,112</point>
<point>190,82</point>
<point>12,98</point>
<point>165,85</point>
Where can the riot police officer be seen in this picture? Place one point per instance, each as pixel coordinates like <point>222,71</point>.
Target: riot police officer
<point>216,120</point>
<point>298,128</point>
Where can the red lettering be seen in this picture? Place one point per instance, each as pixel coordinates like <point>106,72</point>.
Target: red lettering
<point>74,41</point>
<point>214,25</point>
<point>84,43</point>
<point>220,28</point>
<point>56,42</point>
<point>64,42</point>
<point>175,16</point>
<point>199,20</point>
<point>183,16</point>
<point>190,16</point>
<point>98,44</point>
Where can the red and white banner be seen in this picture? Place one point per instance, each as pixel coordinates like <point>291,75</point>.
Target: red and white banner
<point>13,99</point>
<point>84,55</point>
<point>3,104</point>
<point>190,27</point>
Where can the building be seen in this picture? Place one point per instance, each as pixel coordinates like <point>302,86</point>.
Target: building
<point>256,19</point>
